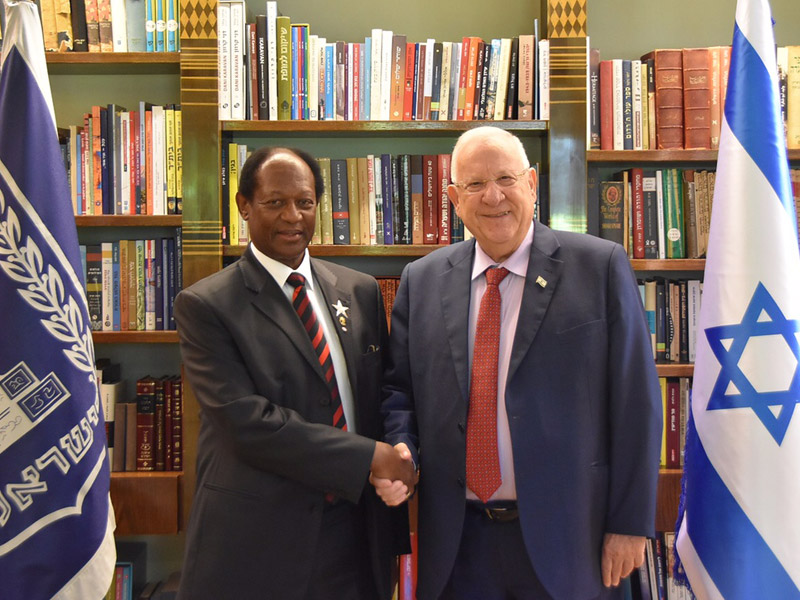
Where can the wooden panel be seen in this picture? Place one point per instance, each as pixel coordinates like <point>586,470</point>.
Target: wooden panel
<point>128,220</point>
<point>669,264</point>
<point>392,128</point>
<point>146,503</point>
<point>135,337</point>
<point>669,496</point>
<point>661,156</point>
<point>675,370</point>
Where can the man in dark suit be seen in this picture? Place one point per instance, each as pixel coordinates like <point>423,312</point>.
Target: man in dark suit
<point>284,354</point>
<point>533,411</point>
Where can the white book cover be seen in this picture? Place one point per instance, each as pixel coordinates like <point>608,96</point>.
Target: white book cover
<point>375,74</point>
<point>124,149</point>
<point>662,240</point>
<point>455,70</point>
<point>119,31</point>
<point>544,79</point>
<point>693,314</point>
<point>237,58</point>
<point>386,76</point>
<point>320,58</point>
<point>107,277</point>
<point>444,92</point>
<point>272,58</point>
<point>636,96</point>
<point>150,285</point>
<point>427,90</point>
<point>617,103</point>
<point>527,77</point>
<point>313,77</point>
<point>348,109</point>
<point>373,213</point>
<point>502,79</point>
<point>159,162</point>
<point>135,25</point>
<point>224,59</point>
<point>494,72</point>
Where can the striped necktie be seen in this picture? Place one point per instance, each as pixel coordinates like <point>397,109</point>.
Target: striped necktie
<point>302,304</point>
<point>483,461</point>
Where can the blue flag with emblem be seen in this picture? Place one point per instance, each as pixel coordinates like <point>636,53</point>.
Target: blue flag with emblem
<point>56,519</point>
<point>739,526</point>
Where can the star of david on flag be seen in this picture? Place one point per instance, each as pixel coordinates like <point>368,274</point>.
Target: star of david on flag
<point>56,519</point>
<point>739,526</point>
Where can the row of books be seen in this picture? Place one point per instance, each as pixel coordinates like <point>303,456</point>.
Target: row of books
<point>123,162</point>
<point>656,213</point>
<point>675,397</point>
<point>654,579</point>
<point>273,69</point>
<point>374,200</point>
<point>670,98</point>
<point>131,284</point>
<point>672,307</point>
<point>146,433</point>
<point>110,25</point>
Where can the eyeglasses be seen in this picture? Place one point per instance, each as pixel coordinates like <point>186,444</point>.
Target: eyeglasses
<point>504,181</point>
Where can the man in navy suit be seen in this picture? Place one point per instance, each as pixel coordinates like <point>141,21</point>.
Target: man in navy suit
<point>557,503</point>
<point>284,354</point>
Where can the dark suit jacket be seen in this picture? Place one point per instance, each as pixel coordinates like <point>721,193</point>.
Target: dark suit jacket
<point>267,452</point>
<point>582,398</point>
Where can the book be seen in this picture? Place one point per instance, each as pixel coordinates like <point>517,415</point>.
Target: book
<point>612,214</point>
<point>696,99</point>
<point>340,207</point>
<point>668,78</point>
<point>145,423</point>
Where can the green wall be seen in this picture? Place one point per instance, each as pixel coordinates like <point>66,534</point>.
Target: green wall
<point>630,28</point>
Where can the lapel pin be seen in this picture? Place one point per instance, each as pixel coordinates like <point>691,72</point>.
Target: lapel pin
<point>341,313</point>
<point>541,281</point>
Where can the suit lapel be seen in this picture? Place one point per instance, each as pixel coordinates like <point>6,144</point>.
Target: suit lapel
<point>269,299</point>
<point>455,290</point>
<point>338,300</point>
<point>541,281</point>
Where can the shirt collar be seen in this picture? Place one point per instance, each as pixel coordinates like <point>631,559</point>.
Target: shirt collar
<point>517,263</point>
<point>280,272</point>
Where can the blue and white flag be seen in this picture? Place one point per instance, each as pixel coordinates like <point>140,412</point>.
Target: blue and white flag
<point>739,537</point>
<point>56,519</point>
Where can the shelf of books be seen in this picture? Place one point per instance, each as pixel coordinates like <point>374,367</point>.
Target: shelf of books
<point>128,220</point>
<point>146,503</point>
<point>135,337</point>
<point>393,128</point>
<point>410,251</point>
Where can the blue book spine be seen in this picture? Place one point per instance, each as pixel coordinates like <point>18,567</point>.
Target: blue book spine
<point>417,82</point>
<point>115,286</point>
<point>295,74</point>
<point>366,79</point>
<point>105,182</point>
<point>304,75</point>
<point>161,26</point>
<point>330,107</point>
<point>158,264</point>
<point>388,194</point>
<point>627,106</point>
<point>149,26</point>
<point>171,286</point>
<point>172,26</point>
<point>165,277</point>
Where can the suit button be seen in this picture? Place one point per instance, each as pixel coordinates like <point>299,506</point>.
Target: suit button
<point>325,402</point>
<point>461,427</point>
<point>460,482</point>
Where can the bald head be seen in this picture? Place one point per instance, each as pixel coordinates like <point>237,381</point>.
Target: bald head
<point>490,136</point>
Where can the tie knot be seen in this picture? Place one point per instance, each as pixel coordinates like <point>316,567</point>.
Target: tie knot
<point>494,275</point>
<point>296,280</point>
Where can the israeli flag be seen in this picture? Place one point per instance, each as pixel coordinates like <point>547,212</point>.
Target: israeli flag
<point>739,533</point>
<point>56,519</point>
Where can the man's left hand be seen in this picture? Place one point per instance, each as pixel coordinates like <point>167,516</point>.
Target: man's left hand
<point>621,555</point>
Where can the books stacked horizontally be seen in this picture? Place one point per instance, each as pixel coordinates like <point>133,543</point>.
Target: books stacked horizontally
<point>110,25</point>
<point>145,434</point>
<point>131,284</point>
<point>656,213</point>
<point>378,199</point>
<point>274,69</point>
<point>123,162</point>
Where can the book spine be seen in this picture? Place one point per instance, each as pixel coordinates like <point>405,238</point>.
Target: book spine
<point>340,202</point>
<point>145,424</point>
<point>696,99</point>
<point>444,200</point>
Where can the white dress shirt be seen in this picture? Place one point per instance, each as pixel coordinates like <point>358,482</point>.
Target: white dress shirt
<point>280,272</point>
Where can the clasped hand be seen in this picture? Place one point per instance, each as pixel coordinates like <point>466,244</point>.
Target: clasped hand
<point>392,473</point>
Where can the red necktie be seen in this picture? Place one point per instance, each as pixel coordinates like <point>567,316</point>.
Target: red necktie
<point>483,462</point>
<point>302,304</point>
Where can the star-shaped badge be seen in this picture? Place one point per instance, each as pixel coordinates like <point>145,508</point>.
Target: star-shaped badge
<point>341,309</point>
<point>774,407</point>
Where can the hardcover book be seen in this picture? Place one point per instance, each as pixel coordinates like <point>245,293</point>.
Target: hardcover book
<point>668,76</point>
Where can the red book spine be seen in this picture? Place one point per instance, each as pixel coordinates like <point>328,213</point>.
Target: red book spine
<point>672,424</point>
<point>145,424</point>
<point>462,77</point>
<point>606,105</point>
<point>408,86</point>
<point>168,423</point>
<point>177,423</point>
<point>430,200</point>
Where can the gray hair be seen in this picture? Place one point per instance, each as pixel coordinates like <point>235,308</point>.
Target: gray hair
<point>482,134</point>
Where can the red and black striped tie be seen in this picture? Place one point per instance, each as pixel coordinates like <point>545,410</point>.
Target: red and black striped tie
<point>302,304</point>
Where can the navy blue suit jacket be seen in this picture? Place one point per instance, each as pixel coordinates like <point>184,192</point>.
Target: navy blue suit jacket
<point>582,397</point>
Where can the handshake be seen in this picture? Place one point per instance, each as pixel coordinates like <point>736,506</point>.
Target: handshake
<point>392,473</point>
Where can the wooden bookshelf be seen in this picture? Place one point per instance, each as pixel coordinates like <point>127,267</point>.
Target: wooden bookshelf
<point>128,220</point>
<point>135,337</point>
<point>114,58</point>
<point>669,494</point>
<point>660,156</point>
<point>670,264</point>
<point>402,250</point>
<point>675,369</point>
<point>371,128</point>
<point>147,503</point>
